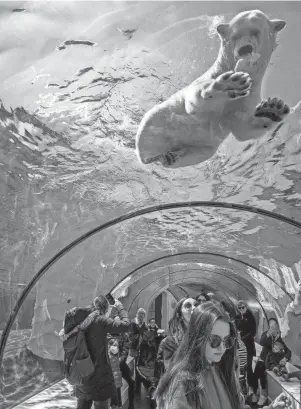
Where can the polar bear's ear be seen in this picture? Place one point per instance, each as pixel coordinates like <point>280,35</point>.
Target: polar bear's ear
<point>222,29</point>
<point>278,25</point>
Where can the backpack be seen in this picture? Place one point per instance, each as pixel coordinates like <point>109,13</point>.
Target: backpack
<point>78,364</point>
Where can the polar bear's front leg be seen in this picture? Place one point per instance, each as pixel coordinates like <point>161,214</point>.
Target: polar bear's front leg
<point>267,116</point>
<point>269,112</point>
<point>228,86</point>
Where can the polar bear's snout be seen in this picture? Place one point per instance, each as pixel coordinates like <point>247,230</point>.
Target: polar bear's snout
<point>246,45</point>
<point>245,50</point>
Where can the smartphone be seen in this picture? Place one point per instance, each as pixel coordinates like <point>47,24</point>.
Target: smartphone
<point>110,299</point>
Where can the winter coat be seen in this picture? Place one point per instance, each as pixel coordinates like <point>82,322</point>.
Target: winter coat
<point>267,342</point>
<point>136,333</point>
<point>218,396</point>
<point>114,360</point>
<point>101,384</point>
<point>123,343</point>
<point>149,336</point>
<point>246,324</point>
<point>273,359</point>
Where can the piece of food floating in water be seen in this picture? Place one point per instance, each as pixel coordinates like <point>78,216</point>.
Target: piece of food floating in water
<point>247,62</point>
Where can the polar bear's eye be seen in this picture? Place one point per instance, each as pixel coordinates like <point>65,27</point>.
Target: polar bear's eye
<point>254,32</point>
<point>235,38</point>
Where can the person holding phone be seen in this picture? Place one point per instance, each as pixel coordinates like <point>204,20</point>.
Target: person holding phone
<point>100,387</point>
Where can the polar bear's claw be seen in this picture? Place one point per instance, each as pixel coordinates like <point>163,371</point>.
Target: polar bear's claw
<point>170,158</point>
<point>274,109</point>
<point>231,84</point>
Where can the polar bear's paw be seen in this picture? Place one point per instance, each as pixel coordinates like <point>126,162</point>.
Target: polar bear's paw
<point>229,85</point>
<point>273,109</point>
<point>170,158</point>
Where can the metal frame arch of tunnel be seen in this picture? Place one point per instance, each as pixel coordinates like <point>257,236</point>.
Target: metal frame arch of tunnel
<point>199,280</point>
<point>129,216</point>
<point>176,297</point>
<point>198,254</point>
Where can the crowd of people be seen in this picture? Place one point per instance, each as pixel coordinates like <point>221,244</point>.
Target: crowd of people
<point>205,359</point>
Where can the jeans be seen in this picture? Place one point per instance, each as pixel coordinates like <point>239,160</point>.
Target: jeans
<point>87,404</point>
<point>259,373</point>
<point>127,376</point>
<point>250,375</point>
<point>116,398</point>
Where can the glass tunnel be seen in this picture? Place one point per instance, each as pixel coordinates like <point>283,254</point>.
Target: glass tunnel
<point>143,259</point>
<point>81,216</point>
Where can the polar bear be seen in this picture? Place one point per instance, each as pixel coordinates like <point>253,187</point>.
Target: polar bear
<point>188,128</point>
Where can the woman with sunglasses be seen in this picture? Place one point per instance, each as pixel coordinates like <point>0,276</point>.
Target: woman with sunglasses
<point>176,327</point>
<point>246,324</point>
<point>201,374</point>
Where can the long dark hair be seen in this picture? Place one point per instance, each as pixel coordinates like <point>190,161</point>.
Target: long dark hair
<point>189,361</point>
<point>176,325</point>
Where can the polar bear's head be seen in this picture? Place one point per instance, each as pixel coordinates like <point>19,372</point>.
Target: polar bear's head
<point>250,32</point>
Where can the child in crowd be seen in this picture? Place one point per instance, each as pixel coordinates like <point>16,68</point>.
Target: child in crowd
<point>113,349</point>
<point>275,361</point>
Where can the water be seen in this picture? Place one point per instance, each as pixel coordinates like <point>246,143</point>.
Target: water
<point>74,87</point>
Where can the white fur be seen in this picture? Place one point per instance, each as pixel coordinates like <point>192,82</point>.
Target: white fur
<point>188,128</point>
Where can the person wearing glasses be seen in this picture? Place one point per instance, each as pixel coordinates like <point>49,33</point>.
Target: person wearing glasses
<point>203,297</point>
<point>246,324</point>
<point>201,374</point>
<point>176,327</point>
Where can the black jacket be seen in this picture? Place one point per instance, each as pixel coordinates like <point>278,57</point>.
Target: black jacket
<point>246,324</point>
<point>101,384</point>
<point>136,334</point>
<point>267,343</point>
<point>273,359</point>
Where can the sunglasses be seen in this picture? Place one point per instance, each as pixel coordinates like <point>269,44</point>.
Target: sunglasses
<point>189,305</point>
<point>215,341</point>
<point>242,308</point>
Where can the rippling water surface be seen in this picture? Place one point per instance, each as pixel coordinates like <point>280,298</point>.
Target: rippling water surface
<point>76,79</point>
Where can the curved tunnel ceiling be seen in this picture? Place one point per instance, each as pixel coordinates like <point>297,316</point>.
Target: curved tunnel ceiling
<point>210,261</point>
<point>229,285</point>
